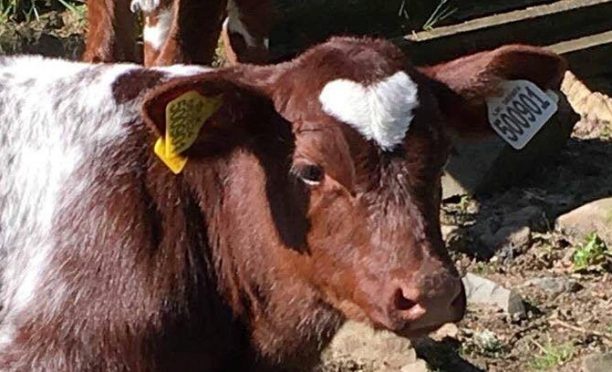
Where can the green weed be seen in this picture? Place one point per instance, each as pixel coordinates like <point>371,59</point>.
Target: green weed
<point>552,356</point>
<point>590,254</point>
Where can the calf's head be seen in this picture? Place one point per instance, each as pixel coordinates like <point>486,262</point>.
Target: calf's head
<point>356,140</point>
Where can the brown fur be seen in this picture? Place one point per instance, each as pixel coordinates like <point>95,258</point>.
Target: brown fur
<point>111,35</point>
<point>192,39</point>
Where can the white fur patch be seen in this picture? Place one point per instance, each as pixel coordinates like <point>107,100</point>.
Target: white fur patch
<point>381,111</point>
<point>234,24</point>
<point>146,6</point>
<point>57,116</point>
<point>183,70</point>
<point>54,115</point>
<point>156,35</point>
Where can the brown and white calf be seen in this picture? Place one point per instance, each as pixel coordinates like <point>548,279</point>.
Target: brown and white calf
<point>178,31</point>
<point>310,195</point>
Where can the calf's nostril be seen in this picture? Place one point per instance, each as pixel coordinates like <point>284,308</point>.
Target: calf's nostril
<point>401,302</point>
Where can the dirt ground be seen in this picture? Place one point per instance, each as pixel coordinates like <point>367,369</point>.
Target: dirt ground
<point>559,328</point>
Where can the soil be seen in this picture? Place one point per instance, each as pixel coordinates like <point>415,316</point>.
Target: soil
<point>559,329</point>
<point>579,320</point>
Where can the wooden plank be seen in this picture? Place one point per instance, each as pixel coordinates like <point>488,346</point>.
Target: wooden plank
<point>588,56</point>
<point>470,9</point>
<point>540,25</point>
<point>304,22</point>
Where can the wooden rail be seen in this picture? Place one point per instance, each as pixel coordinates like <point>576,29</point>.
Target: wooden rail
<point>579,29</point>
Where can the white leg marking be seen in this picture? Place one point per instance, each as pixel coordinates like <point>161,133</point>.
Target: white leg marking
<point>156,35</point>
<point>235,24</point>
<point>381,112</point>
<point>146,6</point>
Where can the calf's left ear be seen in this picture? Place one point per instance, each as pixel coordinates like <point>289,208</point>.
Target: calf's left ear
<point>464,84</point>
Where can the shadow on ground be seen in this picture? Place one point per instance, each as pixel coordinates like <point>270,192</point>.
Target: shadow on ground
<point>443,355</point>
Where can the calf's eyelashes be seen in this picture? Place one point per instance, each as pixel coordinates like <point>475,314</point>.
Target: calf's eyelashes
<point>310,174</point>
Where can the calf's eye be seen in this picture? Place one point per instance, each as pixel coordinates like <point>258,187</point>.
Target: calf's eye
<point>310,174</point>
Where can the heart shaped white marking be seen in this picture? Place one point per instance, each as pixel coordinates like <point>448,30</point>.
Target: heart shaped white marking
<point>381,112</point>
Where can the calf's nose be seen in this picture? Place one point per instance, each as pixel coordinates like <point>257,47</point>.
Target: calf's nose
<point>427,303</point>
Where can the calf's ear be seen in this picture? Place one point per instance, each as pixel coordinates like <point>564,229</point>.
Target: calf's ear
<point>199,115</point>
<point>463,85</point>
<point>195,100</point>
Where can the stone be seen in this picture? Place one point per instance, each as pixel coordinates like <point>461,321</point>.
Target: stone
<point>530,216</point>
<point>518,237</point>
<point>507,242</point>
<point>592,217</point>
<point>601,362</point>
<point>555,286</point>
<point>418,366</point>
<point>487,341</point>
<point>448,231</point>
<point>449,330</point>
<point>482,291</point>
<point>373,350</point>
<point>507,235</point>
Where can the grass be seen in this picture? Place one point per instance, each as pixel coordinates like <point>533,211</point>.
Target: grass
<point>590,254</point>
<point>484,268</point>
<point>551,355</point>
<point>442,12</point>
<point>28,10</point>
<point>418,10</point>
<point>19,10</point>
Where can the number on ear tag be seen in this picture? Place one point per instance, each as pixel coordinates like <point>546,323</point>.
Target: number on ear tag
<point>521,111</point>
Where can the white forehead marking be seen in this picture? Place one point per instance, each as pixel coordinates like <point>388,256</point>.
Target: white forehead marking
<point>381,112</point>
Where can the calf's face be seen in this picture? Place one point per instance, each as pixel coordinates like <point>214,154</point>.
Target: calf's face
<point>370,137</point>
<point>369,151</point>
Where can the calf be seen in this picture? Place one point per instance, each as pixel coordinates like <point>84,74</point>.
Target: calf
<point>188,219</point>
<point>178,31</point>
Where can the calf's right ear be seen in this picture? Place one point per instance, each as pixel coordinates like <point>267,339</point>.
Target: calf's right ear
<point>463,85</point>
<point>196,115</point>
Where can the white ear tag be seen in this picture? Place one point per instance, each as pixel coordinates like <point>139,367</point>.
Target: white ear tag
<point>521,111</point>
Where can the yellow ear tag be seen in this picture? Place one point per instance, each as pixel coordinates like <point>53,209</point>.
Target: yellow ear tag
<point>185,116</point>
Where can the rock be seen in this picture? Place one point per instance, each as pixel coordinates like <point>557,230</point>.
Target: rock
<point>601,362</point>
<point>418,366</point>
<point>507,242</point>
<point>487,341</point>
<point>507,235</point>
<point>481,291</point>
<point>530,216</point>
<point>514,241</point>
<point>449,330</point>
<point>448,231</point>
<point>593,217</point>
<point>593,106</point>
<point>555,286</point>
<point>373,350</point>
